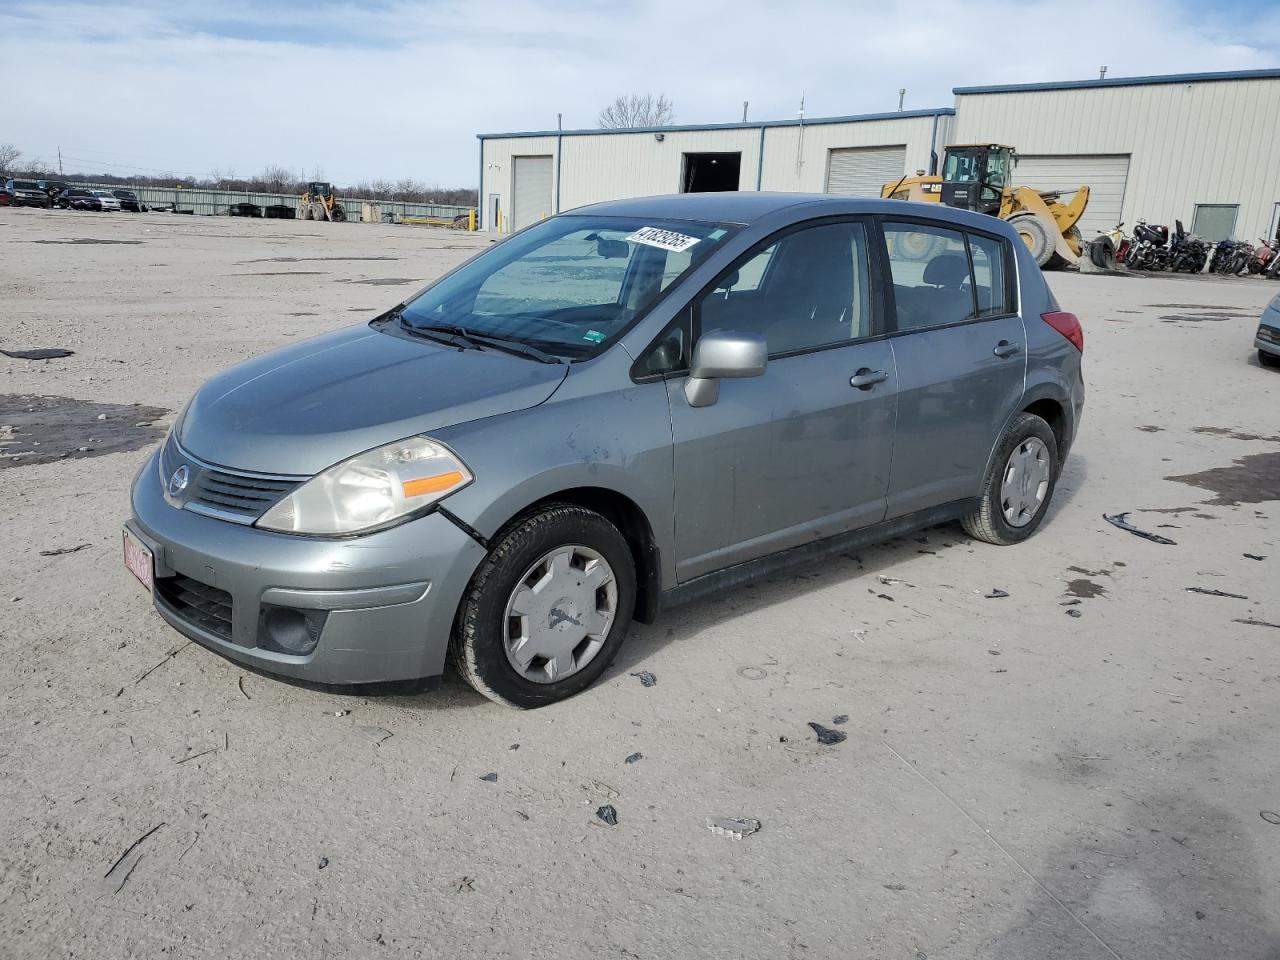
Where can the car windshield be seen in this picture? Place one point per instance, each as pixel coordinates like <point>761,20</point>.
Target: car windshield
<point>25,185</point>
<point>569,285</point>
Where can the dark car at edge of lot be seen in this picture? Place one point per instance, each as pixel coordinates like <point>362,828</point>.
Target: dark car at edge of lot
<point>52,188</point>
<point>74,198</point>
<point>128,200</point>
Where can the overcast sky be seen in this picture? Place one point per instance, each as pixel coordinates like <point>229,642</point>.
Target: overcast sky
<point>365,90</point>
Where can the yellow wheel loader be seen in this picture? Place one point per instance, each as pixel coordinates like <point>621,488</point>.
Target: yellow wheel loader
<point>978,177</point>
<point>319,202</point>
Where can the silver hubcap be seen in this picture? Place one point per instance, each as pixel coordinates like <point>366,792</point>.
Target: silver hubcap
<point>1025,483</point>
<point>560,613</point>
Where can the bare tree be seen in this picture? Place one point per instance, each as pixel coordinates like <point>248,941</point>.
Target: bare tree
<point>277,179</point>
<point>637,110</point>
<point>9,155</point>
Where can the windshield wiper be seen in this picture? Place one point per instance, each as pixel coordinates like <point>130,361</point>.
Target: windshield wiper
<point>449,333</point>
<point>518,347</point>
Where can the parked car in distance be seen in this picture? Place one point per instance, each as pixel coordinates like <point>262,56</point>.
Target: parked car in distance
<point>1267,339</point>
<point>74,198</point>
<point>244,210</point>
<point>25,193</point>
<point>615,410</point>
<point>6,198</point>
<point>128,200</point>
<point>105,200</point>
<point>51,188</point>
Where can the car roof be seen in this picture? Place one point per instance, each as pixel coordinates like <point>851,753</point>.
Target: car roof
<point>746,207</point>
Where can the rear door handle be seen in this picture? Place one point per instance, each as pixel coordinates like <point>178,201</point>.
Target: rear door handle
<point>1005,349</point>
<point>866,378</point>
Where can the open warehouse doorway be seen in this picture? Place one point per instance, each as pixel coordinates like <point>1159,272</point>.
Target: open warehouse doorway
<point>711,172</point>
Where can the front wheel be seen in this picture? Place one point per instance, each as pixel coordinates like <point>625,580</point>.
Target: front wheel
<point>548,608</point>
<point>1268,359</point>
<point>1019,483</point>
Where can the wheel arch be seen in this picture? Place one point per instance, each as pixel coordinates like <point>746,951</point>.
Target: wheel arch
<point>1050,403</point>
<point>630,519</point>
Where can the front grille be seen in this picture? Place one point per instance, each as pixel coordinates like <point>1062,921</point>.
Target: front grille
<point>217,491</point>
<point>236,493</point>
<point>197,603</point>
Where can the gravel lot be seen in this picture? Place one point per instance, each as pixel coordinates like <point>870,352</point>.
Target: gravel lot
<point>1017,781</point>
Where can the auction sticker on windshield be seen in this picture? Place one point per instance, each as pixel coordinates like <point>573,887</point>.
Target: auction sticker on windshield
<point>663,239</point>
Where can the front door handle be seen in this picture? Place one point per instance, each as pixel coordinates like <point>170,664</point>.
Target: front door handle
<point>1005,349</point>
<point>866,378</point>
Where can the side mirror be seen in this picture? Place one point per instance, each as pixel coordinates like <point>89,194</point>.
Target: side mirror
<point>720,354</point>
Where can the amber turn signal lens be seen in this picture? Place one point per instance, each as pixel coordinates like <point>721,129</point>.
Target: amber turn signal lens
<point>441,481</point>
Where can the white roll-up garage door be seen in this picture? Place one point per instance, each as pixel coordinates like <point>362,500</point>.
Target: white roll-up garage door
<point>863,171</point>
<point>1104,174</point>
<point>532,199</point>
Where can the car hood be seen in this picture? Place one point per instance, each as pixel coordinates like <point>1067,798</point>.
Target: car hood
<point>304,408</point>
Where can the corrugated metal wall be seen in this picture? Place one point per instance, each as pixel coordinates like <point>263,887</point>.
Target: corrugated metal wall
<point>1199,142</point>
<point>611,166</point>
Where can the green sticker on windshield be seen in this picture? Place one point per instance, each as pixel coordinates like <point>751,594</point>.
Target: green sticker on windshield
<point>595,336</point>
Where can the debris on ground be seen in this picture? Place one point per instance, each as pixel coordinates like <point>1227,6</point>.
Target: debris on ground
<point>892,581</point>
<point>1249,621</point>
<point>240,684</point>
<point>40,353</point>
<point>133,846</point>
<point>465,885</point>
<point>646,678</point>
<point>60,551</point>
<point>196,756</point>
<point>1270,816</point>
<point>635,757</point>
<point>514,747</point>
<point>1254,556</point>
<point>490,778</point>
<point>167,657</point>
<point>897,887</point>
<point>341,713</point>
<point>1118,520</point>
<point>1074,612</point>
<point>608,814</point>
<point>324,862</point>
<point>996,594</point>
<point>826,735</point>
<point>734,827</point>
<point>843,718</point>
<point>378,735</point>
<point>1210,592</point>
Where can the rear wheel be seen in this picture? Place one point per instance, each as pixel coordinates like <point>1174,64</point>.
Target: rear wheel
<point>547,610</point>
<point>1035,236</point>
<point>1019,483</point>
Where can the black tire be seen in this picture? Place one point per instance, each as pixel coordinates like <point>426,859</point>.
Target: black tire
<point>1035,236</point>
<point>988,522</point>
<point>477,644</point>
<point>1267,359</point>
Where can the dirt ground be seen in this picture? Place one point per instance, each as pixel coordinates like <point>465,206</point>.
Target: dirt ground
<point>1085,768</point>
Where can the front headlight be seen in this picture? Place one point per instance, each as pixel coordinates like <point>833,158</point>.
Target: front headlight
<point>373,489</point>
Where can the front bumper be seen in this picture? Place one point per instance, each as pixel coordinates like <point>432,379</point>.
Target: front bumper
<point>1268,340</point>
<point>390,597</point>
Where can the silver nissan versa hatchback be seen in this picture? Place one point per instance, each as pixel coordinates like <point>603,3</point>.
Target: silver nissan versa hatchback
<point>615,410</point>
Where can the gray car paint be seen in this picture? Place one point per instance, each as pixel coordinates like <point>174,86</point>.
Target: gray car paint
<point>533,431</point>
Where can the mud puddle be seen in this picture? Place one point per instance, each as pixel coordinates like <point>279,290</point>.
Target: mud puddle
<point>1250,479</point>
<point>45,429</point>
<point>1234,434</point>
<point>383,281</point>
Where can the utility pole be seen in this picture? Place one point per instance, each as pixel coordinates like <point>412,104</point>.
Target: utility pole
<point>559,121</point>
<point>1102,73</point>
<point>902,95</point>
<point>59,161</point>
<point>744,111</point>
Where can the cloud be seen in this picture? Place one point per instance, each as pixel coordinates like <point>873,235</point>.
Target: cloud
<point>392,89</point>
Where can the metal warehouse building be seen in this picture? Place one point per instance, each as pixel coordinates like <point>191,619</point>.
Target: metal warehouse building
<point>1197,147</point>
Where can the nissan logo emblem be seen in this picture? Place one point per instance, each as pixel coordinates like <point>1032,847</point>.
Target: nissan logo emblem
<point>178,482</point>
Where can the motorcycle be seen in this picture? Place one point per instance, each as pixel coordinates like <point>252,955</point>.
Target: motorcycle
<point>1231,258</point>
<point>1149,249</point>
<point>1187,251</point>
<point>1109,247</point>
<point>1263,254</point>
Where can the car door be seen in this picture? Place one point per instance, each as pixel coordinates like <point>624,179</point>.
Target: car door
<point>960,349</point>
<point>799,452</point>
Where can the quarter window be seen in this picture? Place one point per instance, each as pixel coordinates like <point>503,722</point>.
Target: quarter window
<point>988,275</point>
<point>809,289</point>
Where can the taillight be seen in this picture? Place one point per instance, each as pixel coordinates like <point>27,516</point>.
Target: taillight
<point>1067,325</point>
